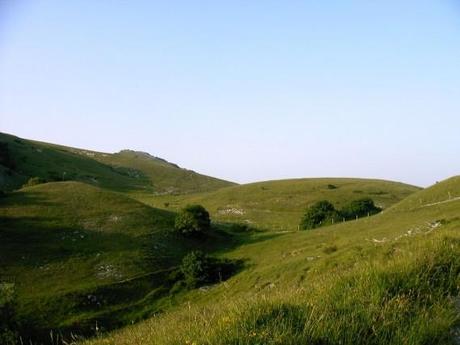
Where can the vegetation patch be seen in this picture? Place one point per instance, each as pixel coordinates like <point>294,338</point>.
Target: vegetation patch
<point>193,221</point>
<point>198,269</point>
<point>324,213</point>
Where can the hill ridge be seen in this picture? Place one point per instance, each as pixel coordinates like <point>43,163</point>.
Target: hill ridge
<point>127,171</point>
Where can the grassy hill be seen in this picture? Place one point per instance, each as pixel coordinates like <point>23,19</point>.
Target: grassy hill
<point>126,171</point>
<point>389,279</point>
<point>279,205</point>
<point>95,252</point>
<point>78,253</point>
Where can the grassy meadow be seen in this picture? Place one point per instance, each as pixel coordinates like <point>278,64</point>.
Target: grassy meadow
<point>390,279</point>
<point>78,253</point>
<point>87,240</point>
<point>279,205</point>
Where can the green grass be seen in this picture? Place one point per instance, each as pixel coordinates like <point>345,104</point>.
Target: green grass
<point>126,171</point>
<point>61,242</point>
<point>100,249</point>
<point>279,205</point>
<point>390,279</point>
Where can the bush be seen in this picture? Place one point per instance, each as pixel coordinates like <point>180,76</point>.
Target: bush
<point>359,208</point>
<point>192,220</point>
<point>198,269</point>
<point>323,212</point>
<point>317,214</point>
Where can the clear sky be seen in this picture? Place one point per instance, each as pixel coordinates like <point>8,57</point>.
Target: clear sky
<point>242,90</point>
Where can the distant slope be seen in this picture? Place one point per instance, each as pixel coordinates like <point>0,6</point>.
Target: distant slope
<point>126,171</point>
<point>388,279</point>
<point>78,253</point>
<point>279,205</point>
<point>165,177</point>
<point>442,192</point>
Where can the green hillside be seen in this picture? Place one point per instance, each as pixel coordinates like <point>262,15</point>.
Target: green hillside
<point>126,171</point>
<point>166,178</point>
<point>389,279</point>
<point>279,205</point>
<point>93,250</point>
<point>78,253</point>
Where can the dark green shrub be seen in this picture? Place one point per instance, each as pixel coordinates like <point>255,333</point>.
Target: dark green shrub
<point>192,220</point>
<point>359,208</point>
<point>318,214</point>
<point>198,269</point>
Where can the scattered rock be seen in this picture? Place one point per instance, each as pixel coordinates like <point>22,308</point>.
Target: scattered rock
<point>108,271</point>
<point>231,210</point>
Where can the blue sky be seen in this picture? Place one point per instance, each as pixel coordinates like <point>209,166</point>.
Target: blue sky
<point>242,90</point>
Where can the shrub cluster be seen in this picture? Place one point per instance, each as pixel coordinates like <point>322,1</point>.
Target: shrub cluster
<point>318,214</point>
<point>359,208</point>
<point>323,212</point>
<point>193,220</point>
<point>198,269</point>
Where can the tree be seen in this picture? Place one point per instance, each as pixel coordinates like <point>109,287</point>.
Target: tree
<point>192,220</point>
<point>196,268</point>
<point>359,208</point>
<point>317,214</point>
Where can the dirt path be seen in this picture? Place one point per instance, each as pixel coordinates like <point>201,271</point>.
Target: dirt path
<point>441,202</point>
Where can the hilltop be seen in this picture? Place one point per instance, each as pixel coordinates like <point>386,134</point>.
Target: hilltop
<point>126,171</point>
<point>279,205</point>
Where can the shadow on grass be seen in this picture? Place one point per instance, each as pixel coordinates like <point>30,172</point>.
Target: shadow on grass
<point>30,242</point>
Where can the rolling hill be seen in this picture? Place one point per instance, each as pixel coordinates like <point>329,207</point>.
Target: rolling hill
<point>90,249</point>
<point>389,279</point>
<point>77,253</point>
<point>126,171</point>
<point>279,205</point>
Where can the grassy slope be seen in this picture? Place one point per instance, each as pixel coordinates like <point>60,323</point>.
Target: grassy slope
<point>64,241</point>
<point>386,279</point>
<point>279,205</point>
<point>126,171</point>
<point>166,178</point>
